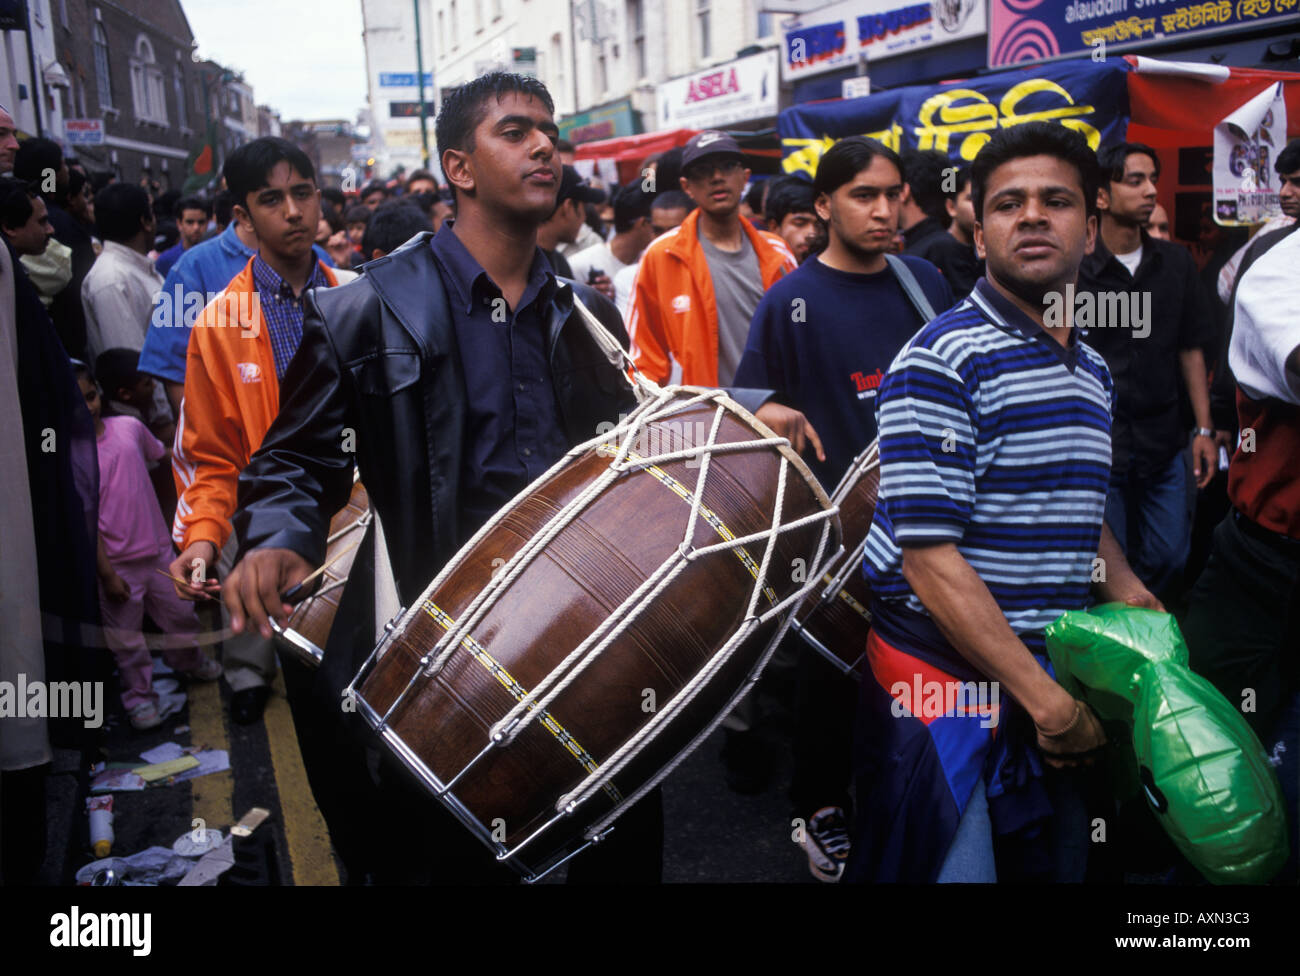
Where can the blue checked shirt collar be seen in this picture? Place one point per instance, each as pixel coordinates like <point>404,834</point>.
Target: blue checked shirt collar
<point>281,311</point>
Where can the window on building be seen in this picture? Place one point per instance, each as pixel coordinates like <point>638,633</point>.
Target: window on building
<point>102,78</point>
<point>63,12</point>
<point>455,27</point>
<point>496,9</point>
<point>636,34</point>
<point>178,85</point>
<point>557,63</point>
<point>478,15</point>
<point>706,42</point>
<point>147,90</point>
<point>765,25</point>
<point>442,31</point>
<point>602,74</point>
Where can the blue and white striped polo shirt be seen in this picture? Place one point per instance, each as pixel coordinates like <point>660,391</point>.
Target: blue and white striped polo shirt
<point>995,437</point>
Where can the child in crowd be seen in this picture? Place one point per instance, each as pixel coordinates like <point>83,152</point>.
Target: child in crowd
<point>129,392</point>
<point>133,545</point>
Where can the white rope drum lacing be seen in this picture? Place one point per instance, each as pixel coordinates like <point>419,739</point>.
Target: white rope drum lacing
<point>619,619</point>
<point>622,617</point>
<point>648,732</point>
<point>437,655</point>
<point>688,693</point>
<point>866,462</point>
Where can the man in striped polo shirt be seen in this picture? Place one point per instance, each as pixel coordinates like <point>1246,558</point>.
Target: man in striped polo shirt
<point>995,457</point>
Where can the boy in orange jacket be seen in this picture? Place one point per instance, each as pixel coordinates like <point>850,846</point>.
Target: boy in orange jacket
<point>238,352</point>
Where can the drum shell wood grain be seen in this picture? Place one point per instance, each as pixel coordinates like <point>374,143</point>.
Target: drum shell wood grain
<point>314,616</point>
<point>574,585</point>
<point>838,624</point>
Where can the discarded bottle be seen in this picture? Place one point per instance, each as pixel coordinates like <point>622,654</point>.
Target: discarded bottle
<point>100,809</point>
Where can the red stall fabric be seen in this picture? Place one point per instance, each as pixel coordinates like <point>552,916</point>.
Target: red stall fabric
<point>1175,115</point>
<point>628,152</point>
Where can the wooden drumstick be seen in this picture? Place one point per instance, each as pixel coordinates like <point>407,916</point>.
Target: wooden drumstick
<point>182,582</point>
<point>295,593</point>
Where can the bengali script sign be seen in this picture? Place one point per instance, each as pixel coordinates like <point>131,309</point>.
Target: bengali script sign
<point>958,119</point>
<point>1023,31</point>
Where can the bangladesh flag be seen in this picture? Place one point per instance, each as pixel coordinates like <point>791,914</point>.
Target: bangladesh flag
<point>201,162</point>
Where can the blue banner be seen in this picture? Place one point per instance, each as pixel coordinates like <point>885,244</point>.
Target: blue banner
<point>1034,30</point>
<point>958,118</point>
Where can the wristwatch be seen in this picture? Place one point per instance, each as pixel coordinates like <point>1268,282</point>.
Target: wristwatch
<point>1203,432</point>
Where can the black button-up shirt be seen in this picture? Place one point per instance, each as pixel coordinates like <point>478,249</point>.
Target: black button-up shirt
<point>1149,426</point>
<point>513,430</point>
<point>930,240</point>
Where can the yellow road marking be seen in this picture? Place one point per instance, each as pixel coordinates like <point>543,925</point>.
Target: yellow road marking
<point>211,795</point>
<point>310,858</point>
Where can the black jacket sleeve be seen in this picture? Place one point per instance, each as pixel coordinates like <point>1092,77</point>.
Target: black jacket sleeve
<point>302,473</point>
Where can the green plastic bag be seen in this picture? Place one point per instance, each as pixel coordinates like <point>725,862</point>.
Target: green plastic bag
<point>1203,770</point>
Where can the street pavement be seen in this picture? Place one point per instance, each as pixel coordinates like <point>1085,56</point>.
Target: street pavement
<point>711,833</point>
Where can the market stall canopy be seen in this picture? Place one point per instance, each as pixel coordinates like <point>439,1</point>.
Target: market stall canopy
<point>627,153</point>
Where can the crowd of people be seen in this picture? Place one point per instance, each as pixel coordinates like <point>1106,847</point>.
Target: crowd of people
<point>202,359</point>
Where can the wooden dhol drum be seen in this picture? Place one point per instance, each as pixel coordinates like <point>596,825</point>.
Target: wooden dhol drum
<point>599,627</point>
<point>309,625</point>
<point>836,617</point>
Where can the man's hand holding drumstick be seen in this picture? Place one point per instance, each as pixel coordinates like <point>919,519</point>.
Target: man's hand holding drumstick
<point>254,589</point>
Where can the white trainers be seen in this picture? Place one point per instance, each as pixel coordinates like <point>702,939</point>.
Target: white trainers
<point>209,670</point>
<point>826,842</point>
<point>150,715</point>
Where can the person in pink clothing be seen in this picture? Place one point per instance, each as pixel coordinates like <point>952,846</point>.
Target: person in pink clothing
<point>133,545</point>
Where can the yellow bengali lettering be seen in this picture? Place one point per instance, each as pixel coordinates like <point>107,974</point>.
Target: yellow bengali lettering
<point>978,115</point>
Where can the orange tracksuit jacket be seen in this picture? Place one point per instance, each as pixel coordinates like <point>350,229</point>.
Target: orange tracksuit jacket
<point>231,397</point>
<point>674,310</point>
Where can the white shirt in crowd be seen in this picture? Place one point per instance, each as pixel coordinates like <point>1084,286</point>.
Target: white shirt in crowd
<point>599,257</point>
<point>118,298</point>
<point>1131,260</point>
<point>586,238</point>
<point>1265,328</point>
<point>1228,274</point>
<point>623,284</point>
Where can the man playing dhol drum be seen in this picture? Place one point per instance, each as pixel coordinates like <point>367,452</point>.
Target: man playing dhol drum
<point>458,367</point>
<point>994,458</point>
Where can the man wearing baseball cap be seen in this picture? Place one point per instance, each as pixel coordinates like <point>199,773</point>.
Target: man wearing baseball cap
<point>698,286</point>
<point>562,227</point>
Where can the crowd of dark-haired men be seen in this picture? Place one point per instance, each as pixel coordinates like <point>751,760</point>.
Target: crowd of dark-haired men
<point>921,288</point>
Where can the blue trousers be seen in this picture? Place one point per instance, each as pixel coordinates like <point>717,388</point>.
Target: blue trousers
<point>1151,518</point>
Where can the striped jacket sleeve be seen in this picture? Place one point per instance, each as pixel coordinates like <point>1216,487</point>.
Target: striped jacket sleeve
<point>210,448</point>
<point>645,324</point>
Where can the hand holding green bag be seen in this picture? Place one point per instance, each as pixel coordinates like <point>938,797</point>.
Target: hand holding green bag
<point>1204,772</point>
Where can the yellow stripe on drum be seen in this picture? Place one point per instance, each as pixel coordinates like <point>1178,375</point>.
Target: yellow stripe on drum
<point>519,692</point>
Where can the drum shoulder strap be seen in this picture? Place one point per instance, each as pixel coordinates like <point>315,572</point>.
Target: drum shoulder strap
<point>911,287</point>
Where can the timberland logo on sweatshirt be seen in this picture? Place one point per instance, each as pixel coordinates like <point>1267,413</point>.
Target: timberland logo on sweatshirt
<point>249,372</point>
<point>73,930</point>
<point>682,304</point>
<point>868,384</point>
<point>53,699</point>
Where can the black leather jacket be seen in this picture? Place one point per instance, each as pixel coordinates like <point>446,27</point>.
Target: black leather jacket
<point>378,371</point>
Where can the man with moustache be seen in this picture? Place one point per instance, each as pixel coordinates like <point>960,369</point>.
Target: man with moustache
<point>8,141</point>
<point>456,407</point>
<point>822,338</point>
<point>994,463</point>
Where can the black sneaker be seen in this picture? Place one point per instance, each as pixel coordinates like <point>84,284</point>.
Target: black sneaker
<point>826,842</point>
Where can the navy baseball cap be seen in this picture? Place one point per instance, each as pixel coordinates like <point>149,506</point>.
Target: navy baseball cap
<point>710,143</point>
<point>574,187</point>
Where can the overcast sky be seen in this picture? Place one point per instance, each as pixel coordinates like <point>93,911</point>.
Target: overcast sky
<point>304,59</point>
